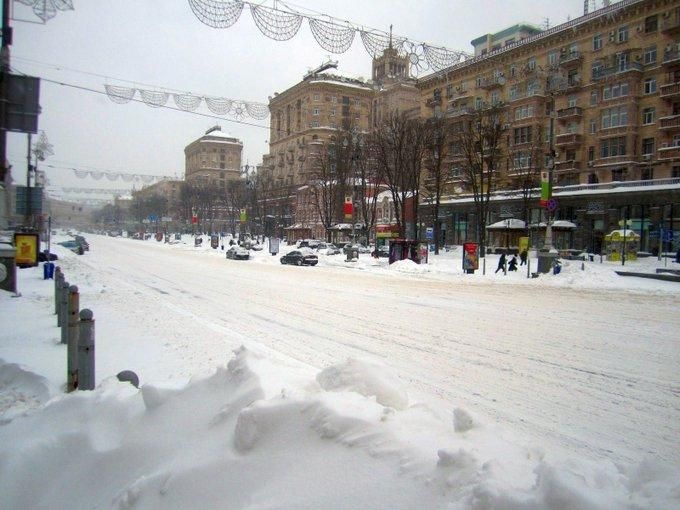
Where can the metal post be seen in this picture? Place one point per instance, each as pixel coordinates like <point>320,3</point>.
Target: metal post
<point>58,276</point>
<point>85,367</point>
<point>72,330</point>
<point>63,310</point>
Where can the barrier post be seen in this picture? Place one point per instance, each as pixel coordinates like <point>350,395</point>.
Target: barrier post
<point>86,351</point>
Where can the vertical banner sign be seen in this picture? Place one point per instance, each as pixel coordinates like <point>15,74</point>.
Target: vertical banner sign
<point>348,209</point>
<point>470,259</point>
<point>194,219</point>
<point>27,249</point>
<point>243,216</point>
<point>523,244</point>
<point>545,188</point>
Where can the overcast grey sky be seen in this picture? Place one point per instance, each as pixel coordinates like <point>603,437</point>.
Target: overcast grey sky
<point>160,43</point>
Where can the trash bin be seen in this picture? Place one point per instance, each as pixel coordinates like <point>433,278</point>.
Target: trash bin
<point>8,272</point>
<point>48,271</point>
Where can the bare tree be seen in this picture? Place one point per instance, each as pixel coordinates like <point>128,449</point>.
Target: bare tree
<point>328,181</point>
<point>398,146</point>
<point>480,138</point>
<point>525,166</point>
<point>436,152</point>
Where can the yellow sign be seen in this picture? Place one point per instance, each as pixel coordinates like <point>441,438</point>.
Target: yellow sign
<point>27,249</point>
<point>523,244</point>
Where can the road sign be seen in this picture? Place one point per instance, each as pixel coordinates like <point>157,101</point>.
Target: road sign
<point>551,204</point>
<point>667,235</point>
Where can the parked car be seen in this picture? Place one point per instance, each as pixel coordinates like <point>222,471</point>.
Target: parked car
<point>82,242</point>
<point>256,247</point>
<point>74,246</point>
<point>238,253</point>
<point>328,248</point>
<point>300,258</point>
<point>355,246</point>
<point>381,252</point>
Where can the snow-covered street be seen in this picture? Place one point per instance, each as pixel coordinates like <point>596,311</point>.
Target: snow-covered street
<point>576,368</point>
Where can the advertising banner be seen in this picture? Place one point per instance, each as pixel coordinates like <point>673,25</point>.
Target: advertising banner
<point>243,217</point>
<point>214,241</point>
<point>470,258</point>
<point>273,245</point>
<point>523,244</point>
<point>27,245</point>
<point>348,208</point>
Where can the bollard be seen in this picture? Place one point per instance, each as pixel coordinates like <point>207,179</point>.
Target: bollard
<point>63,309</point>
<point>72,339</point>
<point>85,373</point>
<point>58,277</point>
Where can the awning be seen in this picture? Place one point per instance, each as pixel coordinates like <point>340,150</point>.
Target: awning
<point>558,224</point>
<point>509,224</point>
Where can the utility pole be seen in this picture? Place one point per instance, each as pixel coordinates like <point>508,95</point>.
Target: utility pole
<point>4,70</point>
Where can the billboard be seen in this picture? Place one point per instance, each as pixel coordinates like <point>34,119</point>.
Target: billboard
<point>27,246</point>
<point>22,107</point>
<point>470,258</point>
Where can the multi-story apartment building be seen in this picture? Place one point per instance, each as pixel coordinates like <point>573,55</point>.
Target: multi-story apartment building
<point>214,157</point>
<point>313,113</point>
<point>602,90</point>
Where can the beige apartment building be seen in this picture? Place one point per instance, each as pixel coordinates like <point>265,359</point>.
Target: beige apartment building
<point>609,84</point>
<point>315,112</point>
<point>214,157</point>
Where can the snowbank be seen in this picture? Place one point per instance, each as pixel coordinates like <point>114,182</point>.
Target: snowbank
<point>226,441</point>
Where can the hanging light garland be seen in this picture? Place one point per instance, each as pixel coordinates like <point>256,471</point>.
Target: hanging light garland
<point>189,102</point>
<point>47,9</point>
<point>331,34</point>
<point>114,176</point>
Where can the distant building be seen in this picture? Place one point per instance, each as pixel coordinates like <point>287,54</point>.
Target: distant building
<point>507,37</point>
<point>316,112</point>
<point>214,157</point>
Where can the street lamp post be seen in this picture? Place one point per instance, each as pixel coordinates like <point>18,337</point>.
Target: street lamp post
<point>357,144</point>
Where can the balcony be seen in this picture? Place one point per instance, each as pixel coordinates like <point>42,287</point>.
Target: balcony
<point>491,82</point>
<point>669,153</point>
<point>568,139</point>
<point>528,94</point>
<point>567,166</point>
<point>671,25</point>
<point>614,160</point>
<point>460,111</point>
<point>571,58</point>
<point>669,90</point>
<point>616,71</point>
<point>434,101</point>
<point>671,57</point>
<point>575,112</point>
<point>669,122</point>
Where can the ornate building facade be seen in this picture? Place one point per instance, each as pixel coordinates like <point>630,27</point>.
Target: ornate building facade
<point>603,92</point>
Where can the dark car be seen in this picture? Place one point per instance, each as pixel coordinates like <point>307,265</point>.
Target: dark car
<point>381,252</point>
<point>238,253</point>
<point>300,258</point>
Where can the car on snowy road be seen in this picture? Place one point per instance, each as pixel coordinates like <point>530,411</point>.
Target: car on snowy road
<point>300,258</point>
<point>238,253</point>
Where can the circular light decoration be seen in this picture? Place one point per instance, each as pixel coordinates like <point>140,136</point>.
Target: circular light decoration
<point>416,57</point>
<point>239,111</point>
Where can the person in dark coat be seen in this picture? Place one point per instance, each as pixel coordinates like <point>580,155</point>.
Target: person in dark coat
<point>501,263</point>
<point>512,265</point>
<point>677,256</point>
<point>523,257</point>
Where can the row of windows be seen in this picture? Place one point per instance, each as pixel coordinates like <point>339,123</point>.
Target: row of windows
<point>333,99</point>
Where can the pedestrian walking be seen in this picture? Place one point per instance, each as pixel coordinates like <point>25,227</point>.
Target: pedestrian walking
<point>501,263</point>
<point>677,256</point>
<point>512,266</point>
<point>523,257</point>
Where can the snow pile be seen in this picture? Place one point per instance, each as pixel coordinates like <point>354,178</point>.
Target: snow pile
<point>366,378</point>
<point>20,391</point>
<point>227,441</point>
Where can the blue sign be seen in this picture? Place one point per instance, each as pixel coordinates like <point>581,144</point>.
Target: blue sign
<point>667,235</point>
<point>153,217</point>
<point>429,233</point>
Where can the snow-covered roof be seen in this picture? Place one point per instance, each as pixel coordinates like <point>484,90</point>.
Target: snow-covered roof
<point>509,224</point>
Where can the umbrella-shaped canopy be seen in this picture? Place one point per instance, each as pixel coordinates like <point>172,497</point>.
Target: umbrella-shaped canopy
<point>509,224</point>
<point>558,224</point>
<point>618,235</point>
